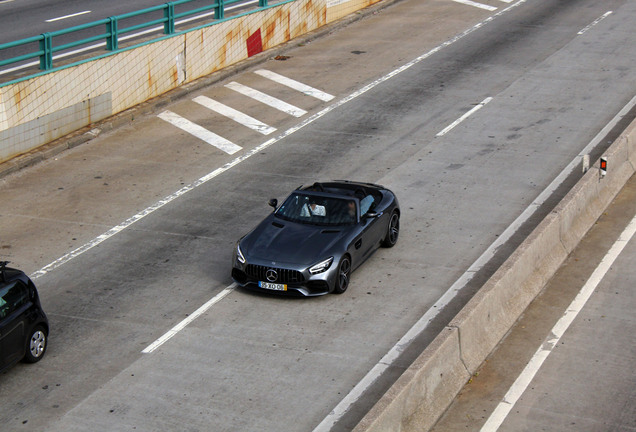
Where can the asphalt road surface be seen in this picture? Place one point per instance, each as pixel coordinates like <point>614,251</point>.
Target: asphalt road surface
<point>469,120</point>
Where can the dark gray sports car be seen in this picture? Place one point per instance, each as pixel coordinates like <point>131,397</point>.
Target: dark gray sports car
<point>316,238</point>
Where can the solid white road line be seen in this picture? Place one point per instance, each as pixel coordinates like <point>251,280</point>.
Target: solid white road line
<point>235,115</point>
<point>598,20</point>
<point>464,117</point>
<point>199,132</point>
<point>521,383</point>
<point>67,16</point>
<point>475,4</point>
<point>196,314</point>
<point>309,91</point>
<point>266,99</point>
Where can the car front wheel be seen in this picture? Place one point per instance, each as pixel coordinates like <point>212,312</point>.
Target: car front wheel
<point>393,231</point>
<point>36,345</point>
<point>344,271</point>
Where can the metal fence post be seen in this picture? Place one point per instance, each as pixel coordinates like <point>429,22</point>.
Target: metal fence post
<point>168,14</point>
<point>112,41</point>
<point>262,3</point>
<point>219,10</point>
<point>46,46</point>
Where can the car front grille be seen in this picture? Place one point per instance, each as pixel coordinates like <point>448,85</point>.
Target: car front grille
<point>284,276</point>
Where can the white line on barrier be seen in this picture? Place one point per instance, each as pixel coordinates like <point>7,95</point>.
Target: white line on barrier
<point>266,99</point>
<point>235,115</point>
<point>196,314</point>
<point>475,4</point>
<point>200,132</point>
<point>596,21</point>
<point>464,117</point>
<point>521,383</point>
<point>309,91</point>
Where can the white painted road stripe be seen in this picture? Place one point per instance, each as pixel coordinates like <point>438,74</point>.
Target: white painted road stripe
<point>267,99</point>
<point>196,314</point>
<point>475,4</point>
<point>598,20</point>
<point>235,115</point>
<point>199,132</point>
<point>521,384</point>
<point>464,117</point>
<point>67,16</point>
<point>309,91</point>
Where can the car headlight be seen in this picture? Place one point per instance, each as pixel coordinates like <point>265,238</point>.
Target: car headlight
<point>321,266</point>
<point>239,255</point>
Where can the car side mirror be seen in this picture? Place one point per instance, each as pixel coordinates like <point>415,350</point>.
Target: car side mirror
<point>371,215</point>
<point>273,203</point>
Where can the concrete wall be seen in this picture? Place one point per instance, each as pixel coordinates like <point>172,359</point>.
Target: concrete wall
<point>41,109</point>
<point>422,394</point>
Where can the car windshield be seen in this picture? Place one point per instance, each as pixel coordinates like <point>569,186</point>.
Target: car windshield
<point>318,210</point>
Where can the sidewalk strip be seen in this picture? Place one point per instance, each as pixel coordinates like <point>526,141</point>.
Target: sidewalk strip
<point>199,132</point>
<point>309,91</point>
<point>521,383</point>
<point>267,99</point>
<point>235,115</point>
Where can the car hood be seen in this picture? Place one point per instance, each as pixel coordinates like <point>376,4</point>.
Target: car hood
<point>292,243</point>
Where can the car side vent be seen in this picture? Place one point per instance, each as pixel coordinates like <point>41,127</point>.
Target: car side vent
<point>278,225</point>
<point>330,231</point>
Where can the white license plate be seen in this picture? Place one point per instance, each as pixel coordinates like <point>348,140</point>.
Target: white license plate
<point>273,286</point>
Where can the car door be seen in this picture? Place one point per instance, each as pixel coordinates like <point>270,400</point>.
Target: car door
<point>14,306</point>
<point>366,239</point>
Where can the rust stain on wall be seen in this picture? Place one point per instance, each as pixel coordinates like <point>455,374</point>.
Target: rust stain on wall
<point>20,94</point>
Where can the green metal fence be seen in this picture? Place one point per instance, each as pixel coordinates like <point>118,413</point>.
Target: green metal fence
<point>113,32</point>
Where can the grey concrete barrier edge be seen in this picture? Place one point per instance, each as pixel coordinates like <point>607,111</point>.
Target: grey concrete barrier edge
<point>426,389</point>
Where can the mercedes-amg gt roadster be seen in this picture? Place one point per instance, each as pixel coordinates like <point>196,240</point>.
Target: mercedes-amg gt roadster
<point>312,242</point>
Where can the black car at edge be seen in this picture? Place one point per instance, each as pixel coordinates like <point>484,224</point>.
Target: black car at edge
<point>24,327</point>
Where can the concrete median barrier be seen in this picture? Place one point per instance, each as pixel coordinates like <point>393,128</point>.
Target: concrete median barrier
<point>425,390</point>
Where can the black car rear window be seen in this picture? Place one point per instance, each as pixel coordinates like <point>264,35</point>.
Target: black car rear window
<point>318,210</point>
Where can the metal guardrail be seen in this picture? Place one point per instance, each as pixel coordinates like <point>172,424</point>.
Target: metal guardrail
<point>113,33</point>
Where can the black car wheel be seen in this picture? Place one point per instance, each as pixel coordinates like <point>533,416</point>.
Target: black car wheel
<point>393,231</point>
<point>344,271</point>
<point>36,345</point>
